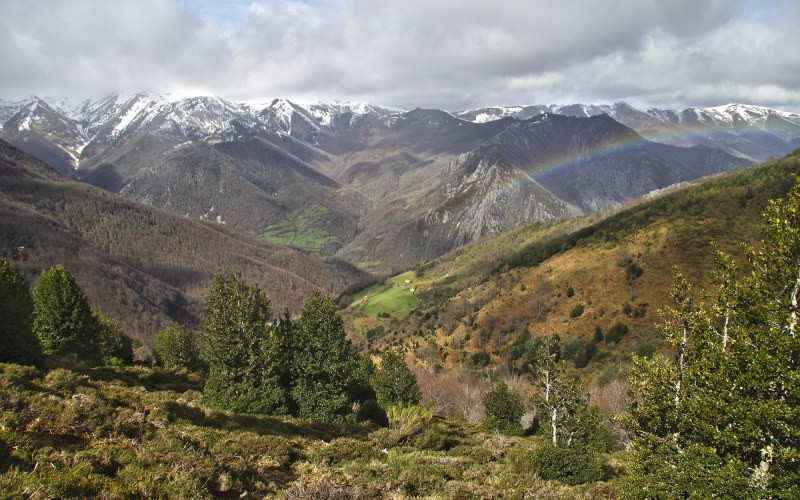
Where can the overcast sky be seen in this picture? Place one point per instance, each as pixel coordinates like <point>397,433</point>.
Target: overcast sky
<point>450,54</point>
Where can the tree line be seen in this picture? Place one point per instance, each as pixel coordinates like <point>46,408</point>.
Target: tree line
<point>252,362</point>
<point>55,319</point>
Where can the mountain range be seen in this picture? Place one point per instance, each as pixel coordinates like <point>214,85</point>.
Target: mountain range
<point>383,187</point>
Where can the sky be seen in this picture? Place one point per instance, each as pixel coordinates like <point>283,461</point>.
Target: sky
<point>448,54</point>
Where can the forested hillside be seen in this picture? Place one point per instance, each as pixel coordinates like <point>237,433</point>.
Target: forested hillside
<point>141,265</point>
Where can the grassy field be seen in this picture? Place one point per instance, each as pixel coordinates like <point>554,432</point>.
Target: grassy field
<point>301,229</point>
<point>393,298</point>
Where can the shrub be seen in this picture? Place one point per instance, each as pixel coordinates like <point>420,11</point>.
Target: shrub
<point>615,333</point>
<point>633,271</point>
<point>584,354</point>
<point>408,419</point>
<point>435,439</point>
<point>64,381</point>
<point>577,311</point>
<point>570,465</point>
<point>570,291</point>
<point>394,382</point>
<point>116,347</point>
<point>374,333</point>
<point>371,411</point>
<point>504,410</point>
<point>598,334</point>
<point>480,358</point>
<point>345,449</point>
<point>627,309</point>
<point>646,350</point>
<point>174,347</point>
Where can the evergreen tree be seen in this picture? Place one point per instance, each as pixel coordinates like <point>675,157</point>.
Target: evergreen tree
<point>116,347</point>
<point>394,382</point>
<point>62,318</point>
<point>504,409</point>
<point>17,341</point>
<point>324,363</point>
<point>174,347</point>
<point>246,355</point>
<point>721,419</point>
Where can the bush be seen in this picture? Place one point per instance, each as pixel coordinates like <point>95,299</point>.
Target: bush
<point>615,333</point>
<point>408,420</point>
<point>435,439</point>
<point>480,358</point>
<point>627,310</point>
<point>174,347</point>
<point>633,271</point>
<point>570,291</point>
<point>598,334</point>
<point>504,410</point>
<point>374,333</point>
<point>646,350</point>
<point>116,347</point>
<point>344,449</point>
<point>584,354</point>
<point>394,382</point>
<point>570,465</point>
<point>371,411</point>
<point>577,311</point>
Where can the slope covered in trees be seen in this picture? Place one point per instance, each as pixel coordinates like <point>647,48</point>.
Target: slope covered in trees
<point>140,265</point>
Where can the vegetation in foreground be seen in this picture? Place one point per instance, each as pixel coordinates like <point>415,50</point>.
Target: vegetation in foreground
<point>134,431</point>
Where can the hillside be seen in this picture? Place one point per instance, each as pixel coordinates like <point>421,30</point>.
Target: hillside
<point>76,432</point>
<point>140,265</point>
<point>574,276</point>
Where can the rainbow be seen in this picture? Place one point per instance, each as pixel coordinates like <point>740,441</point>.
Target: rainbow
<point>683,137</point>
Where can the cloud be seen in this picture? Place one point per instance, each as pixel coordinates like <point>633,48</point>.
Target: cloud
<point>452,54</point>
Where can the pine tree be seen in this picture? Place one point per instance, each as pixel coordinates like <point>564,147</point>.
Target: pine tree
<point>17,341</point>
<point>174,347</point>
<point>721,417</point>
<point>324,363</point>
<point>62,318</point>
<point>246,355</point>
<point>394,382</point>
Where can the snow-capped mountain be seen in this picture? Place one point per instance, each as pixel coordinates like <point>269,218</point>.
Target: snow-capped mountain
<point>752,132</point>
<point>86,129</point>
<point>377,184</point>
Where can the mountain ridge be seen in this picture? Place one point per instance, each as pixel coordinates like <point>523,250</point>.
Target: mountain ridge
<point>374,185</point>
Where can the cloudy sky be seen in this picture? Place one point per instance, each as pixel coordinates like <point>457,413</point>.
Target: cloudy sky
<point>451,54</point>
